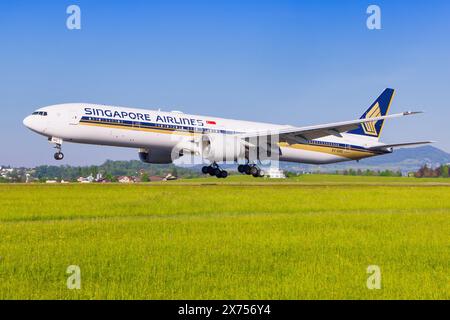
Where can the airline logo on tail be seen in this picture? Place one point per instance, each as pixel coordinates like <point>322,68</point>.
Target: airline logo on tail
<point>379,108</point>
<point>369,127</point>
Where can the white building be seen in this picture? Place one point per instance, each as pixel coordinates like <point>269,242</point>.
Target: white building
<point>86,180</point>
<point>274,173</point>
<point>169,176</point>
<point>125,179</point>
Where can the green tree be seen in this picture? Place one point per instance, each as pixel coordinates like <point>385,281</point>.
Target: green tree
<point>444,171</point>
<point>145,177</point>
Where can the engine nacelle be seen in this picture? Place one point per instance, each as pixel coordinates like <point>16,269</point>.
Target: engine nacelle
<point>220,147</point>
<point>156,156</point>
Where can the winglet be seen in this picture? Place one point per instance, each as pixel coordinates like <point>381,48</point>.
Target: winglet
<point>409,113</point>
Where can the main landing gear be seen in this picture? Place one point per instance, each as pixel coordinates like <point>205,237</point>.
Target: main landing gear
<point>251,169</point>
<point>214,170</point>
<point>58,146</point>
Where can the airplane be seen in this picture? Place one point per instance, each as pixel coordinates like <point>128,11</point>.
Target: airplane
<point>162,137</point>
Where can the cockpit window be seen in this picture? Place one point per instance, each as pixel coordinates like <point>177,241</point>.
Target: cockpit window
<point>40,113</point>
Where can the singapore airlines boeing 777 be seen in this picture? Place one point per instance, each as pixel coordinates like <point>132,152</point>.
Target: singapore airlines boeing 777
<point>162,137</point>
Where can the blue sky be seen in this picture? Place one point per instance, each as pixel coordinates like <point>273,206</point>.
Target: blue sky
<point>287,62</point>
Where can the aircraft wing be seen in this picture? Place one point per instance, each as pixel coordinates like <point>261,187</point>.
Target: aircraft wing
<point>396,145</point>
<point>298,134</point>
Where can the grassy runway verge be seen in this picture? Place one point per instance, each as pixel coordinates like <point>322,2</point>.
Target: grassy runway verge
<point>299,239</point>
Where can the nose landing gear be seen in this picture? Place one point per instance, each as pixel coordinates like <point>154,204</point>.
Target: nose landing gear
<point>214,170</point>
<point>58,146</point>
<point>58,156</point>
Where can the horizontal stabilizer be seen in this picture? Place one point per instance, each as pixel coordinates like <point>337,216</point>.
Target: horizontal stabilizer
<point>396,145</point>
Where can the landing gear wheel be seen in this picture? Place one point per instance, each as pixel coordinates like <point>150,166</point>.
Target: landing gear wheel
<point>254,171</point>
<point>59,156</point>
<point>58,143</point>
<point>214,170</point>
<point>217,172</point>
<point>251,169</point>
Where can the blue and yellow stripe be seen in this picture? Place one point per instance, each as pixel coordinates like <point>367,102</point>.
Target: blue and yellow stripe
<point>353,152</point>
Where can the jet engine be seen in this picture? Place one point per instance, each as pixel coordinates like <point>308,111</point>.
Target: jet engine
<point>156,155</point>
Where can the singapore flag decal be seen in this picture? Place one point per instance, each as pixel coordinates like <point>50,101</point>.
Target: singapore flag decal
<point>210,122</point>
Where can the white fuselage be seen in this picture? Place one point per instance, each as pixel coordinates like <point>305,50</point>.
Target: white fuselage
<point>162,131</point>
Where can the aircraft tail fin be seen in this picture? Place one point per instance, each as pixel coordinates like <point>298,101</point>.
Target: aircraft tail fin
<point>378,109</point>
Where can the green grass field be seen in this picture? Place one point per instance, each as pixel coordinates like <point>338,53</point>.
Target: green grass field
<point>311,237</point>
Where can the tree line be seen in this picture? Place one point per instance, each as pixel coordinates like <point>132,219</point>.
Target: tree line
<point>426,172</point>
<point>111,170</point>
<point>368,172</point>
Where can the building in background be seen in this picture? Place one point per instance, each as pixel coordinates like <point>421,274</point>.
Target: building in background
<point>275,173</point>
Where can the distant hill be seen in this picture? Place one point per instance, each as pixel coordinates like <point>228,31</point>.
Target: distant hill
<point>421,155</point>
<point>405,159</point>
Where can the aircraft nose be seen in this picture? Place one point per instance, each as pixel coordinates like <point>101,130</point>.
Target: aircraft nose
<point>27,122</point>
